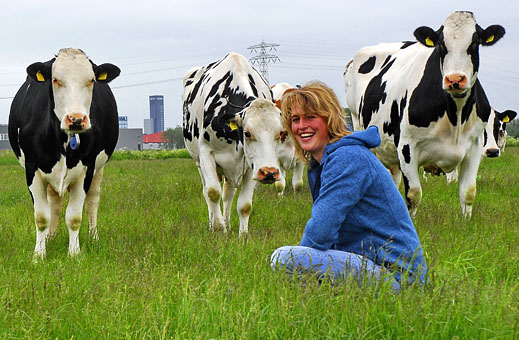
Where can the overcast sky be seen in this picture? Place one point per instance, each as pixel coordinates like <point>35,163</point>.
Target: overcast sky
<point>155,42</point>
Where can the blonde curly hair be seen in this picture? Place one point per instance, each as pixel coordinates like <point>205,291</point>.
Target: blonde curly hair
<point>315,98</point>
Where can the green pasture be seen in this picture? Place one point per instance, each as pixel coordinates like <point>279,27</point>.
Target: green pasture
<point>157,272</point>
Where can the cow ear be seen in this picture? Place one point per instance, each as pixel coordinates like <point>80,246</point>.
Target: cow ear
<point>491,35</point>
<point>426,35</point>
<point>507,116</point>
<point>40,72</point>
<point>105,73</point>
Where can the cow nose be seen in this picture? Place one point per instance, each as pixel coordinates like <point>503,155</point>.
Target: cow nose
<point>455,81</point>
<point>76,121</point>
<point>268,175</point>
<point>492,153</point>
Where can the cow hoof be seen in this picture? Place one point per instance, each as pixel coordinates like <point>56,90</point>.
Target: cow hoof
<point>93,235</point>
<point>38,257</point>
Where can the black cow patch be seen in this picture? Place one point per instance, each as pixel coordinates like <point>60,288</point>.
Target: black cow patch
<point>392,127</point>
<point>406,152</point>
<point>428,100</point>
<point>368,65</point>
<point>375,95</point>
<point>407,44</point>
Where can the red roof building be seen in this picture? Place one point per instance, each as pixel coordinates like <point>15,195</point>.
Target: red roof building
<point>153,138</point>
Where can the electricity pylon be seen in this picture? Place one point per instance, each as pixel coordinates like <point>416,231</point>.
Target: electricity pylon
<point>263,58</point>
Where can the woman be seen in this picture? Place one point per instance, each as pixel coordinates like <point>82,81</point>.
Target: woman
<point>360,224</point>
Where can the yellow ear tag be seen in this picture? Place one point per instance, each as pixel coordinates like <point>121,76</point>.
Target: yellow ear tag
<point>506,119</point>
<point>102,76</point>
<point>233,126</point>
<point>429,42</point>
<point>490,39</point>
<point>39,76</point>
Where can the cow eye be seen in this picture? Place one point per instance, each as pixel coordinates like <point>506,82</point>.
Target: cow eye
<point>282,136</point>
<point>56,82</point>
<point>247,134</point>
<point>91,82</point>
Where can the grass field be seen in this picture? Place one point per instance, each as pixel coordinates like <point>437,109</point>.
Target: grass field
<point>157,272</point>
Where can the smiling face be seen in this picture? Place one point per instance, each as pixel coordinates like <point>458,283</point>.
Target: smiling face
<point>310,131</point>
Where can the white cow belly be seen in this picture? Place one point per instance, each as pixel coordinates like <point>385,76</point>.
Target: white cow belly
<point>386,152</point>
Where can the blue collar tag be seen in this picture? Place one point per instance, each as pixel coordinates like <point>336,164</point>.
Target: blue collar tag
<point>74,141</point>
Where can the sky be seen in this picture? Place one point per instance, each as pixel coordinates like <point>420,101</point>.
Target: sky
<point>156,42</point>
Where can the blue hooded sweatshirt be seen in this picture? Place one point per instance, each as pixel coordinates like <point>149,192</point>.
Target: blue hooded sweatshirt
<point>358,209</point>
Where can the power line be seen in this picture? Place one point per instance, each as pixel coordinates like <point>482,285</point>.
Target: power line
<point>263,58</point>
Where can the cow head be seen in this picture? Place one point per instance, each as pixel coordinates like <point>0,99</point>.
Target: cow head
<point>457,43</point>
<point>495,132</point>
<point>263,134</point>
<point>502,118</point>
<point>73,77</point>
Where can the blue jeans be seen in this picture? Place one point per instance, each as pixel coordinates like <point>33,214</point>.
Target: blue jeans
<point>335,263</point>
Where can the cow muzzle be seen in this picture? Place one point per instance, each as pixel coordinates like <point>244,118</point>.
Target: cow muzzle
<point>455,84</point>
<point>492,153</point>
<point>76,122</point>
<point>268,175</point>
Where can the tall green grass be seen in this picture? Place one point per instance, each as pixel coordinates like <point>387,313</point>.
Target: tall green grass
<point>157,272</point>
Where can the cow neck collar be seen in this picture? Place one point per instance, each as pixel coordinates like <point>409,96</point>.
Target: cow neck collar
<point>73,141</point>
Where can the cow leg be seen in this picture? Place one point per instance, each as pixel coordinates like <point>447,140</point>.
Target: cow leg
<point>396,174</point>
<point>281,184</point>
<point>92,203</point>
<point>227,197</point>
<point>244,205</point>
<point>212,191</point>
<point>297,178</point>
<point>56,204</point>
<point>413,189</point>
<point>467,187</point>
<point>74,215</point>
<point>452,176</point>
<point>42,214</point>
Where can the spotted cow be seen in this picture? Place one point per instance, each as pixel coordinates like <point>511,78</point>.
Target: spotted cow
<point>288,158</point>
<point>233,130</point>
<point>499,128</point>
<point>494,138</point>
<point>427,101</point>
<point>63,127</point>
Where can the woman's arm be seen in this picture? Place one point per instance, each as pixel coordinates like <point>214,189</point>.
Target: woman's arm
<point>344,180</point>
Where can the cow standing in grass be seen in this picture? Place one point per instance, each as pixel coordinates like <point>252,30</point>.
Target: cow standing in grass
<point>233,131</point>
<point>63,127</point>
<point>427,102</point>
<point>494,138</point>
<point>288,160</point>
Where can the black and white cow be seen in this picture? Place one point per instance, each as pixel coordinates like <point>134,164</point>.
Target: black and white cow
<point>499,127</point>
<point>427,102</point>
<point>288,160</point>
<point>63,127</point>
<point>494,138</point>
<point>232,129</point>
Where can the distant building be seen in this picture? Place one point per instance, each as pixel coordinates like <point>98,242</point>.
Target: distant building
<point>157,113</point>
<point>129,139</point>
<point>123,122</point>
<point>153,141</point>
<point>148,126</point>
<point>4,138</point>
